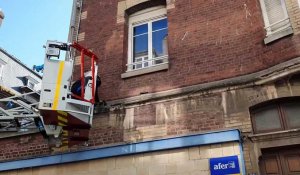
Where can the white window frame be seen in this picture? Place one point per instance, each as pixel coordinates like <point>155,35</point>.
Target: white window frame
<point>267,22</point>
<point>147,16</point>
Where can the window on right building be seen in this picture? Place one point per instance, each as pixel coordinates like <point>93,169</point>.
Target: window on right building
<point>283,114</point>
<point>277,22</point>
<point>148,32</point>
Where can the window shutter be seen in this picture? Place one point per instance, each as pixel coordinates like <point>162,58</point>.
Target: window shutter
<point>276,11</point>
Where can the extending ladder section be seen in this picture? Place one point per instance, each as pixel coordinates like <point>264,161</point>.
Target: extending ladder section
<point>18,113</point>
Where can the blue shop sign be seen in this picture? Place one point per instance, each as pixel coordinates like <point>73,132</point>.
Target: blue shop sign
<point>225,166</point>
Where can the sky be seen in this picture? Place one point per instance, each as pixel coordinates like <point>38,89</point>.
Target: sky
<point>28,24</point>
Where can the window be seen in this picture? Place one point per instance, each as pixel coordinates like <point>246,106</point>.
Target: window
<point>282,115</point>
<point>276,19</point>
<point>148,32</point>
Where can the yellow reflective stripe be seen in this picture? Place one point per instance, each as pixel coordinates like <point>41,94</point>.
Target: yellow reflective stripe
<point>61,124</point>
<point>58,85</point>
<point>62,113</point>
<point>65,133</point>
<point>62,119</point>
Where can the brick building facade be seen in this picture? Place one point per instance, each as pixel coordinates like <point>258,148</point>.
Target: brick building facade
<point>229,65</point>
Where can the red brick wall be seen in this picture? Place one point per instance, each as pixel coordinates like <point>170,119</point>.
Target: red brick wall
<point>144,116</point>
<point>23,146</point>
<point>200,112</point>
<point>223,39</point>
<point>182,117</point>
<point>104,134</point>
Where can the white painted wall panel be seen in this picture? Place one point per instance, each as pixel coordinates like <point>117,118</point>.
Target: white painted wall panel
<point>13,72</point>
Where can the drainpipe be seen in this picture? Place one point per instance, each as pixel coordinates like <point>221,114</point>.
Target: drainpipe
<point>1,16</point>
<point>74,23</point>
<point>79,6</point>
<point>242,160</point>
<point>75,20</point>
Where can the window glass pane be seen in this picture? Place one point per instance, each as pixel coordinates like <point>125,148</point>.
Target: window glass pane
<point>137,66</point>
<point>159,39</point>
<point>160,24</point>
<point>140,44</point>
<point>137,30</point>
<point>146,64</point>
<point>267,119</point>
<point>292,112</point>
<point>140,62</point>
<point>159,43</point>
<point>140,51</point>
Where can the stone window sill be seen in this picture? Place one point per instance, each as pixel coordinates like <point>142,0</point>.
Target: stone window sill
<point>278,35</point>
<point>147,70</point>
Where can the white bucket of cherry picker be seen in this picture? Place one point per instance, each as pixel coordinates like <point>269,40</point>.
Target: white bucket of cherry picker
<point>66,115</point>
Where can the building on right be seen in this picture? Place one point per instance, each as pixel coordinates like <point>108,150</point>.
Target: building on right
<point>202,66</point>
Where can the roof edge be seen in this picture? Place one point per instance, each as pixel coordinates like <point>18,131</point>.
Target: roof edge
<point>19,62</point>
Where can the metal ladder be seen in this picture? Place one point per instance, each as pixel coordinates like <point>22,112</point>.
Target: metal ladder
<point>19,113</point>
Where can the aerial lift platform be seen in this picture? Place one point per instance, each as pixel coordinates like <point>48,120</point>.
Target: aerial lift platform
<point>64,111</point>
